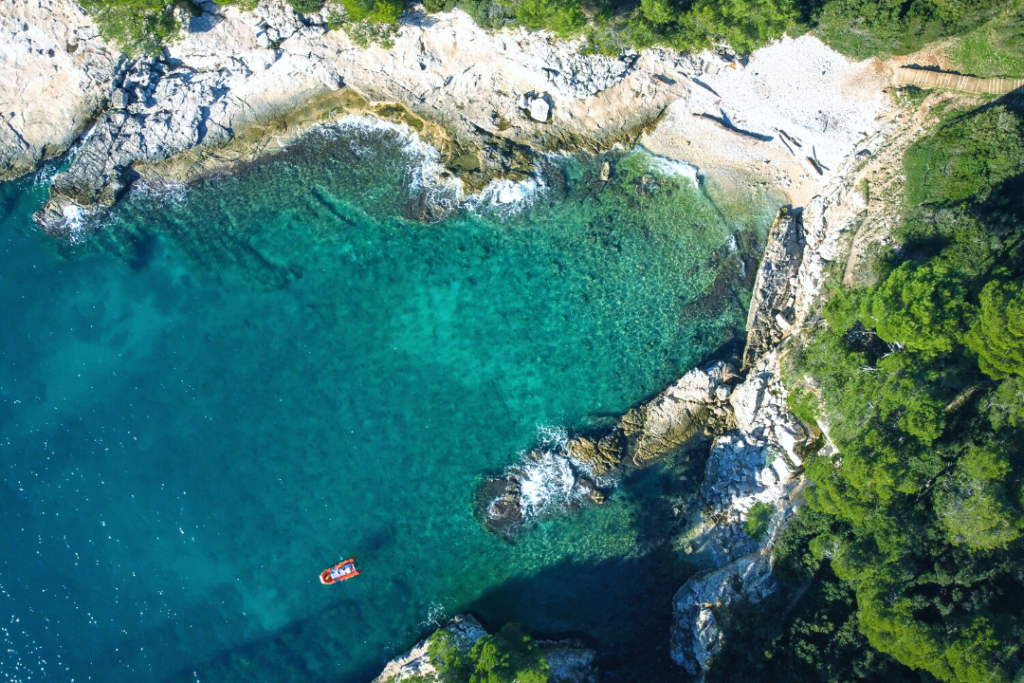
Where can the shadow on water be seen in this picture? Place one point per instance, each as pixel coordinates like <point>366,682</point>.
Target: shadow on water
<point>620,606</point>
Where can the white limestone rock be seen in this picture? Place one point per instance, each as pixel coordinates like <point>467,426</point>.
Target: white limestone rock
<point>540,110</point>
<point>56,74</point>
<point>416,662</point>
<point>570,660</point>
<point>746,399</point>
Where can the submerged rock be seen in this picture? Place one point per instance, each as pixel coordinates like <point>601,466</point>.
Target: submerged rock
<point>498,503</point>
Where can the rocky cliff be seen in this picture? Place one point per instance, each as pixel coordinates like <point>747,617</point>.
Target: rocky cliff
<point>237,84</point>
<point>760,460</point>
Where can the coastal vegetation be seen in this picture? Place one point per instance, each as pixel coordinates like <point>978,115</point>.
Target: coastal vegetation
<point>758,519</point>
<point>989,31</point>
<point>911,549</point>
<point>508,656</point>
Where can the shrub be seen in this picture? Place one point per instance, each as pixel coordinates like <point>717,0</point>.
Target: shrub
<point>759,518</point>
<point>965,157</point>
<point>508,656</point>
<point>920,306</point>
<point>375,11</point>
<point>139,27</point>
<point>448,656</point>
<point>306,6</point>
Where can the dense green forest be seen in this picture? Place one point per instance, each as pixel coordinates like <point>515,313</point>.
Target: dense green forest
<point>914,535</point>
<point>859,28</point>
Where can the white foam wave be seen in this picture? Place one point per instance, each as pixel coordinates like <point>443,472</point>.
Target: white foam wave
<point>507,196</point>
<point>166,191</point>
<point>552,437</point>
<point>436,615</point>
<point>672,167</point>
<point>550,482</point>
<point>425,171</point>
<point>46,173</point>
<point>76,222</point>
<point>547,484</point>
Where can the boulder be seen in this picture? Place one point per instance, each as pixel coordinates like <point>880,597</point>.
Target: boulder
<point>540,110</point>
<point>600,456</point>
<point>746,399</point>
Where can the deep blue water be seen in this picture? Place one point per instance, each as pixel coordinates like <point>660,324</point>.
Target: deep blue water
<point>227,389</point>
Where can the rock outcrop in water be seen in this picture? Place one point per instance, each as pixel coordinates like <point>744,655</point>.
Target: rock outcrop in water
<point>561,477</point>
<point>552,479</point>
<point>660,427</point>
<point>570,660</point>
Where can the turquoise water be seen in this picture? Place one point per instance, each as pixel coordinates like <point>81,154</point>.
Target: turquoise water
<point>227,389</point>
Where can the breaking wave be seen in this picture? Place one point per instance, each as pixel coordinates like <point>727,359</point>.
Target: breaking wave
<point>143,190</point>
<point>550,482</point>
<point>671,167</point>
<point>425,174</point>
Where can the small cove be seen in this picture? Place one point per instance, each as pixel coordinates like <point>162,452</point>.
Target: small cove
<point>229,388</point>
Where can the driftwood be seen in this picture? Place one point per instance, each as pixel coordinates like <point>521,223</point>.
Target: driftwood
<point>817,161</point>
<point>927,78</point>
<point>787,136</point>
<point>725,123</point>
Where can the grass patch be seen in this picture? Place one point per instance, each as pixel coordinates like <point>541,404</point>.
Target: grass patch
<point>996,50</point>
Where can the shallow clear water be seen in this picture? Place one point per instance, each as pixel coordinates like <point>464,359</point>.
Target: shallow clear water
<point>223,392</point>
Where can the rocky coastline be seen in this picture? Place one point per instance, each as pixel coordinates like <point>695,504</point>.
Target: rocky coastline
<point>238,85</point>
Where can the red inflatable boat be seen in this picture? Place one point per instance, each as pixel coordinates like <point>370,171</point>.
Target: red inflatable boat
<point>339,572</point>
